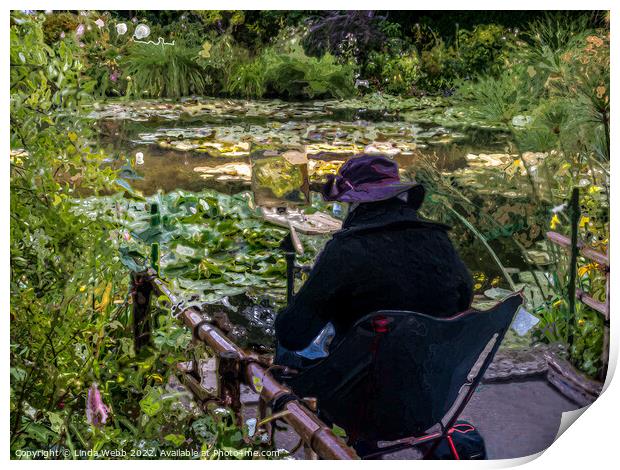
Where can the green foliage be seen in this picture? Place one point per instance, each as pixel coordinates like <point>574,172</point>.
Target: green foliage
<point>496,100</point>
<point>556,31</point>
<point>291,74</point>
<point>102,51</point>
<point>441,67</point>
<point>553,97</point>
<point>58,24</point>
<point>215,245</point>
<point>556,323</point>
<point>157,71</point>
<point>481,50</point>
<point>295,75</point>
<point>70,315</point>
<point>398,74</point>
<point>229,67</point>
<point>58,307</point>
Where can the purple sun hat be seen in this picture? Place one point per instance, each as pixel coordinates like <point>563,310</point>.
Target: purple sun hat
<point>365,179</point>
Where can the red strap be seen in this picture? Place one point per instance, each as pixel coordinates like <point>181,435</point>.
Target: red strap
<point>463,428</point>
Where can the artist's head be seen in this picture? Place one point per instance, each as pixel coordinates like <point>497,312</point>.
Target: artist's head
<point>371,178</point>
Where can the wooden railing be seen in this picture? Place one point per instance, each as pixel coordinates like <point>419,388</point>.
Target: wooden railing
<point>235,366</point>
<point>602,307</point>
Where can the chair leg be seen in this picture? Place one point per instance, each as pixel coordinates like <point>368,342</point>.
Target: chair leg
<point>453,451</point>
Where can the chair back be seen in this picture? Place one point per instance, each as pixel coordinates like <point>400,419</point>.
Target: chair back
<point>397,373</point>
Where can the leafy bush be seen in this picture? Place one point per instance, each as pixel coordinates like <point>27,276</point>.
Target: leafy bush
<point>248,80</point>
<point>397,74</point>
<point>440,67</point>
<point>291,74</point>
<point>163,71</point>
<point>224,62</point>
<point>296,75</point>
<point>58,24</point>
<point>556,31</point>
<point>481,50</point>
<point>349,34</point>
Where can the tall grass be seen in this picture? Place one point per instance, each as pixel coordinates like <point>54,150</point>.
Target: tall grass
<point>163,71</point>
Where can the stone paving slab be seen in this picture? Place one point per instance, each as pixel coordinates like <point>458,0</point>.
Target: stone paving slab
<point>516,419</point>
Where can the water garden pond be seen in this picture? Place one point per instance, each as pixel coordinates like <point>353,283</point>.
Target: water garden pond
<point>194,158</point>
<point>206,143</point>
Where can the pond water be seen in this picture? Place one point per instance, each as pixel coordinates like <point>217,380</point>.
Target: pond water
<point>181,142</point>
<point>202,144</point>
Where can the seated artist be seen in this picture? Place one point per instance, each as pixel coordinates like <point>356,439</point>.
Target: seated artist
<point>385,257</point>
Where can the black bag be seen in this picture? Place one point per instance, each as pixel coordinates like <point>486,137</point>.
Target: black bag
<point>468,443</point>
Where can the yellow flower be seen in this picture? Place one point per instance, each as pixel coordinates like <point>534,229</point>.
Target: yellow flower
<point>585,269</point>
<point>581,322</point>
<point>584,220</point>
<point>555,221</point>
<point>82,288</point>
<point>206,50</point>
<point>156,377</point>
<point>594,189</point>
<point>477,286</point>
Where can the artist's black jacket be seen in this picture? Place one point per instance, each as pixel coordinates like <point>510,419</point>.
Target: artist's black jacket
<point>385,257</point>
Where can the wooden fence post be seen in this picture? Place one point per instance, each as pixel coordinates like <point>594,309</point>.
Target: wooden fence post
<point>141,290</point>
<point>229,372</point>
<point>572,280</point>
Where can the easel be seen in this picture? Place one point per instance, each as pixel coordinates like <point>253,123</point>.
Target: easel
<point>291,216</point>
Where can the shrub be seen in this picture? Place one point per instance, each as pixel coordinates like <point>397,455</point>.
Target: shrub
<point>440,67</point>
<point>224,61</point>
<point>291,74</point>
<point>397,74</point>
<point>295,75</point>
<point>351,34</point>
<point>57,23</point>
<point>481,50</point>
<point>495,100</point>
<point>163,71</point>
<point>55,312</point>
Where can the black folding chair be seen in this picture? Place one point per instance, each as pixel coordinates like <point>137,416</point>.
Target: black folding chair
<point>398,374</point>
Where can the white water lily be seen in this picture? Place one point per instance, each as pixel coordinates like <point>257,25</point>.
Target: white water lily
<point>142,31</point>
<point>121,29</point>
<point>100,24</point>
